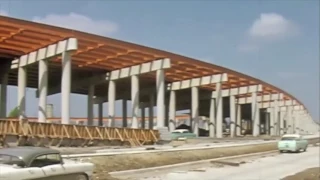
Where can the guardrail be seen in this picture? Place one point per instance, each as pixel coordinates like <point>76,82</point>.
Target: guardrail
<point>40,134</point>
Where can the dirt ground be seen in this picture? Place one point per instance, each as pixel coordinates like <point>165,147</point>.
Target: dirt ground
<point>308,174</point>
<point>136,161</point>
<point>105,164</point>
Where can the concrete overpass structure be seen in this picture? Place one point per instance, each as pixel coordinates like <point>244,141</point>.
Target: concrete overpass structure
<point>57,60</point>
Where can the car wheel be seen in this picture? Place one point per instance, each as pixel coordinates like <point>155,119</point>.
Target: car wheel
<point>280,151</point>
<point>81,177</point>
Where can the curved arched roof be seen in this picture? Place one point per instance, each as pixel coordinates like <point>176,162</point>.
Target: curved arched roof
<point>97,53</point>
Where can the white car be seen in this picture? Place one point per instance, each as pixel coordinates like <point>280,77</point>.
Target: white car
<point>38,163</point>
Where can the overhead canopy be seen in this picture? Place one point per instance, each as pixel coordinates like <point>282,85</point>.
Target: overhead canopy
<point>97,54</point>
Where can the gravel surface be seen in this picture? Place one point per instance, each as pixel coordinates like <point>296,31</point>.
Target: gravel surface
<point>271,168</point>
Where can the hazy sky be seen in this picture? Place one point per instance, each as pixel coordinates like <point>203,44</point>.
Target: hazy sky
<point>276,41</point>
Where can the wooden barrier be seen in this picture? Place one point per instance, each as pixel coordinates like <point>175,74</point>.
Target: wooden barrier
<point>49,134</point>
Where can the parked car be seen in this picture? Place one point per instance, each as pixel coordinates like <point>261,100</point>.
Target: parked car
<point>35,163</point>
<point>292,143</point>
<point>181,134</point>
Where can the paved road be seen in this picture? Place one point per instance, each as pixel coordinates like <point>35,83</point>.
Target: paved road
<point>267,168</point>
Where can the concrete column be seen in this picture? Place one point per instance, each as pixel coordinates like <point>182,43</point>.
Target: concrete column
<point>90,104</point>
<point>143,117</point>
<point>43,90</point>
<point>238,123</point>
<point>135,100</point>
<point>219,115</point>
<point>195,109</point>
<point>124,113</point>
<point>100,114</point>
<point>272,122</point>
<point>232,115</point>
<point>289,119</point>
<point>160,79</point>
<point>212,117</point>
<point>65,88</point>
<point>172,111</point>
<point>297,124</point>
<point>111,103</point>
<point>276,117</point>
<point>267,122</point>
<point>3,95</point>
<point>22,84</point>
<point>166,112</point>
<point>151,114</point>
<point>282,115</point>
<point>255,112</point>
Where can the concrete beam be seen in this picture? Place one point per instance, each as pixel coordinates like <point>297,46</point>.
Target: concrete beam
<point>113,75</point>
<point>47,52</point>
<point>139,69</point>
<point>239,90</point>
<point>298,108</point>
<point>77,83</point>
<point>196,82</point>
<point>269,97</point>
<point>280,103</point>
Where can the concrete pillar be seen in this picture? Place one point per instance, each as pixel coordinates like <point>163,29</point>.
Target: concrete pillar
<point>166,112</point>
<point>219,106</point>
<point>160,79</point>
<point>143,117</point>
<point>151,114</point>
<point>172,111</point>
<point>255,112</point>
<point>22,84</point>
<point>100,114</point>
<point>297,124</point>
<point>111,103</point>
<point>212,117</point>
<point>267,122</point>
<point>272,122</point>
<point>195,110</point>
<point>238,122</point>
<point>3,95</point>
<point>65,88</point>
<point>135,100</point>
<point>289,119</point>
<point>276,118</point>
<point>42,89</point>
<point>124,113</point>
<point>90,105</point>
<point>282,115</point>
<point>232,115</point>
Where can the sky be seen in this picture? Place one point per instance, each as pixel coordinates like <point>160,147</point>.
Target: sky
<point>276,41</point>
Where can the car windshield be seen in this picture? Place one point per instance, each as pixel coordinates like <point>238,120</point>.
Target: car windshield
<point>289,138</point>
<point>11,160</point>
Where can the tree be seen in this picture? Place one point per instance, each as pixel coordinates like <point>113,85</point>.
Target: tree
<point>14,113</point>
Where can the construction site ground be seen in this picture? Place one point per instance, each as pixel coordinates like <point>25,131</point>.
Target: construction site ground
<point>189,142</point>
<point>120,162</point>
<point>308,174</point>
